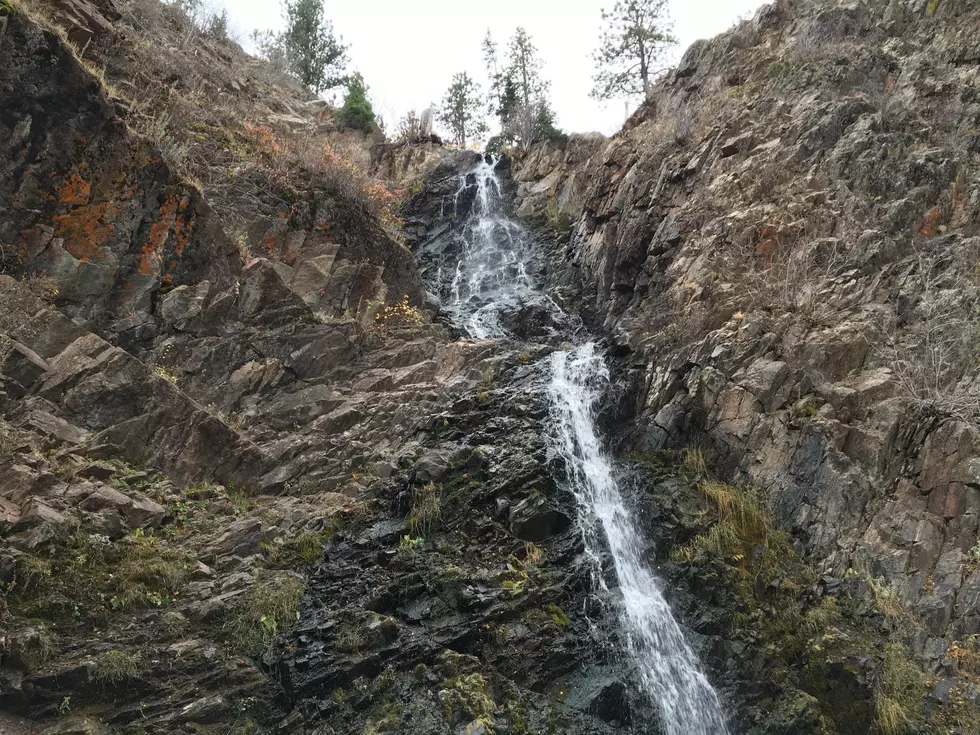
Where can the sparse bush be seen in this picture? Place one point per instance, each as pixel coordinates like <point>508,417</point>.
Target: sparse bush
<point>408,127</point>
<point>934,356</point>
<point>399,315</point>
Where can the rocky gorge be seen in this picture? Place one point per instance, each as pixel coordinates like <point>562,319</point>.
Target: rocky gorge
<point>265,468</point>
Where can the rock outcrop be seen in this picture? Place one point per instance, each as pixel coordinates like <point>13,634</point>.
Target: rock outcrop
<point>784,240</point>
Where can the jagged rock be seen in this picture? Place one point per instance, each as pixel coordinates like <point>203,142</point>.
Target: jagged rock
<point>535,519</point>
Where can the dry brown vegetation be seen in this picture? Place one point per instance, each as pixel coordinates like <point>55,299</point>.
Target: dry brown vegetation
<point>249,135</point>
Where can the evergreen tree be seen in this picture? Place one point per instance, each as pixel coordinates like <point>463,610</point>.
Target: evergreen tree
<point>634,42</point>
<point>357,111</point>
<point>519,94</point>
<point>307,48</point>
<point>461,110</point>
<point>314,54</point>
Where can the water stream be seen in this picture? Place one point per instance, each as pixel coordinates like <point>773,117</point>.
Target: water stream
<point>490,280</point>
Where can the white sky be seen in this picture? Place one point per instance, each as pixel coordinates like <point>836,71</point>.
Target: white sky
<point>409,51</point>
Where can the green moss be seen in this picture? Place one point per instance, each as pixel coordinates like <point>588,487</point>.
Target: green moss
<point>387,718</point>
<point>473,696</point>
<point>559,617</point>
<point>932,7</point>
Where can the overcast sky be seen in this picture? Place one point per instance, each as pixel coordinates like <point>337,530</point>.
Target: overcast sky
<point>409,51</point>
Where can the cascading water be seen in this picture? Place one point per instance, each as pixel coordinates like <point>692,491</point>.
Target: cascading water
<point>668,668</point>
<point>490,275</point>
<point>490,281</point>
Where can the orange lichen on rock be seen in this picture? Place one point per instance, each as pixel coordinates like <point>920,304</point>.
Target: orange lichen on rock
<point>183,225</point>
<point>149,262</point>
<point>74,191</point>
<point>85,225</point>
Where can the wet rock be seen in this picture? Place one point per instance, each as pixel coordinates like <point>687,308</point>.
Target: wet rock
<point>535,519</point>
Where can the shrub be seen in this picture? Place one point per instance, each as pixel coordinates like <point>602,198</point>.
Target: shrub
<point>357,112</point>
<point>399,315</point>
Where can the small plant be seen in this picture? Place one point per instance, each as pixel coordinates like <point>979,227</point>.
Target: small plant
<point>115,666</point>
<point>166,375</point>
<point>409,544</point>
<point>426,509</point>
<point>396,316</point>
<point>65,707</point>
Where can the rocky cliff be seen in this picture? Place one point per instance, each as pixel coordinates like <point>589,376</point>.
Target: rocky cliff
<point>783,239</point>
<point>252,481</point>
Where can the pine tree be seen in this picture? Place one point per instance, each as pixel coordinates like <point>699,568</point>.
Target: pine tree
<point>461,110</point>
<point>356,111</point>
<point>635,40</point>
<point>519,92</point>
<point>307,48</point>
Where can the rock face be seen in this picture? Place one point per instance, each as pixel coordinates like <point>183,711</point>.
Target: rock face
<point>234,500</point>
<point>783,239</point>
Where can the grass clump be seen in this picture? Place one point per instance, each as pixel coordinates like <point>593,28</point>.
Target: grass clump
<point>898,692</point>
<point>115,666</point>
<point>889,602</point>
<point>89,577</point>
<point>299,551</point>
<point>426,509</point>
<point>486,385</point>
<point>272,608</point>
<point>744,535</point>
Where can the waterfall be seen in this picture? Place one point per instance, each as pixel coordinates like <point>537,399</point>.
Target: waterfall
<point>668,668</point>
<point>490,281</point>
<point>491,275</point>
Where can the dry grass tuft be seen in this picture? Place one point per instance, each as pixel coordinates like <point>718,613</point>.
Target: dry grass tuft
<point>426,509</point>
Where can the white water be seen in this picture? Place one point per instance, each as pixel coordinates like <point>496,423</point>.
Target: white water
<point>668,668</point>
<point>490,278</point>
